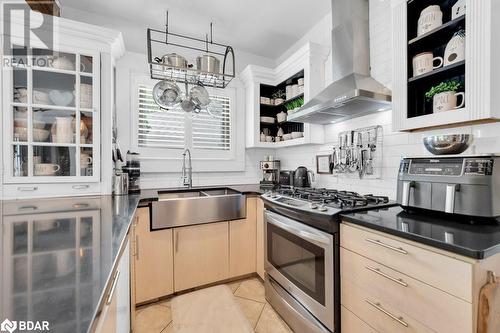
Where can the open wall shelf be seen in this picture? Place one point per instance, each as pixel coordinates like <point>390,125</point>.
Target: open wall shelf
<point>267,110</point>
<point>434,41</point>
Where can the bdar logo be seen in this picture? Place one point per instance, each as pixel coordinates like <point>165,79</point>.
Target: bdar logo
<point>8,326</point>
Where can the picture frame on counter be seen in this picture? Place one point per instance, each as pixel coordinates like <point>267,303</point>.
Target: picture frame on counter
<point>323,163</point>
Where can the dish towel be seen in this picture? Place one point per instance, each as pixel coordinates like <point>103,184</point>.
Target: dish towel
<point>489,306</point>
<point>210,310</point>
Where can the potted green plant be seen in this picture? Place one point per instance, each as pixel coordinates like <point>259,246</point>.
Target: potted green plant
<point>279,97</point>
<point>444,96</point>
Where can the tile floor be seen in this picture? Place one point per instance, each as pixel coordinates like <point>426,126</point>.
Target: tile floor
<point>249,293</point>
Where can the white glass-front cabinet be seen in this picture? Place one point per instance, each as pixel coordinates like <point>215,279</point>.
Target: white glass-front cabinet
<point>57,109</point>
<point>467,43</point>
<point>51,127</point>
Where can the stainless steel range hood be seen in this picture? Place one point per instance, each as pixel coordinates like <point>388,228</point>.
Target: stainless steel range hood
<point>354,92</point>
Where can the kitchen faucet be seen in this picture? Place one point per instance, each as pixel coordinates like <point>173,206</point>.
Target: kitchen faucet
<point>187,171</point>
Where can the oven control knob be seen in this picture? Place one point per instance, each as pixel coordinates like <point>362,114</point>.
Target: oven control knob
<point>312,205</point>
<point>322,208</point>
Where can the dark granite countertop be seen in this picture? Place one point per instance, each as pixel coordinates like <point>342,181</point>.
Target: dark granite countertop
<point>58,255</point>
<point>247,189</point>
<point>477,241</point>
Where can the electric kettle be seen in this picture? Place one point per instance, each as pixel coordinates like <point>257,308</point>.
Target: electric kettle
<point>301,177</point>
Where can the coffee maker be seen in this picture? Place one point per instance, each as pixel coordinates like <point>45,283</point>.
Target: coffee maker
<point>133,168</point>
<point>270,173</point>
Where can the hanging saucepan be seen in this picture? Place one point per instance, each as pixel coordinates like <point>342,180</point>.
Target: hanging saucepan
<point>166,94</point>
<point>173,59</point>
<point>208,63</point>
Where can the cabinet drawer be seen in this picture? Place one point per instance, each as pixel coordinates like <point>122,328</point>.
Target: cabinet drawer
<point>379,315</point>
<point>445,273</point>
<point>24,191</point>
<point>407,294</point>
<point>352,324</point>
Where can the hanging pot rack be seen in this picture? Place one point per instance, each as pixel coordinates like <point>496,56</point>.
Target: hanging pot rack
<point>188,75</point>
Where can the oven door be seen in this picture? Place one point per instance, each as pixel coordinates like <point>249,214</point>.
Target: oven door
<point>301,260</point>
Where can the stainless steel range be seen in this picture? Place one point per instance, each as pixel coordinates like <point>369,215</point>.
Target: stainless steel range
<point>302,253</point>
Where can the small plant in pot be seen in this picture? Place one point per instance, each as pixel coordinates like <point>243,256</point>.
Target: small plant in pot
<point>279,97</point>
<point>444,96</point>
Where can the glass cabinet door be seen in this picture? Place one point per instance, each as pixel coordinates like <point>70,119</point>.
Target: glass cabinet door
<point>53,116</point>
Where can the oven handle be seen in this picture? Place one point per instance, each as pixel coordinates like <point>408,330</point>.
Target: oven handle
<point>298,232</point>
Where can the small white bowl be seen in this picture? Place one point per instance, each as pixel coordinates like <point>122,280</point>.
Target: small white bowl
<point>267,120</point>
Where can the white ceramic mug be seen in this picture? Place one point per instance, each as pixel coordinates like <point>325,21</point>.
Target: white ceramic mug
<point>447,101</point>
<point>278,138</point>
<point>430,19</point>
<point>455,50</point>
<point>269,138</point>
<point>424,63</point>
<point>46,169</point>
<point>85,160</point>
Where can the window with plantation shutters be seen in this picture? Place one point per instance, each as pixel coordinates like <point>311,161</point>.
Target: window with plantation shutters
<point>159,128</point>
<point>172,129</point>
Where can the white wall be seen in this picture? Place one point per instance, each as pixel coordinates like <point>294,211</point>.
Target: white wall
<point>395,144</point>
<point>132,64</point>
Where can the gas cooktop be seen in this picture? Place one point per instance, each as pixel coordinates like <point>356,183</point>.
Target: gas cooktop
<point>320,206</point>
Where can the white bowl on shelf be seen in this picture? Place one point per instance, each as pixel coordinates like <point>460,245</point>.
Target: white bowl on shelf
<point>296,135</point>
<point>23,122</point>
<point>41,97</point>
<point>61,97</point>
<point>39,135</point>
<point>267,120</point>
<point>287,137</point>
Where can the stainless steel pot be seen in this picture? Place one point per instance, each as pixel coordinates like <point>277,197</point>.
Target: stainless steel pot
<point>173,59</point>
<point>208,63</point>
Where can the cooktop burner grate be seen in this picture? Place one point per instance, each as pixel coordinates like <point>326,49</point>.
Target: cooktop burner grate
<point>333,198</point>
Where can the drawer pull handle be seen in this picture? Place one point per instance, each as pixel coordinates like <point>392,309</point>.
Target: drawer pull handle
<point>80,187</point>
<point>27,189</point>
<point>113,288</point>
<point>379,272</point>
<point>387,246</point>
<point>387,313</point>
<point>25,208</point>
<point>80,205</point>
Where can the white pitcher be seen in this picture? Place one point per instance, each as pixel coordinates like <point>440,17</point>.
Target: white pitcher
<point>64,130</point>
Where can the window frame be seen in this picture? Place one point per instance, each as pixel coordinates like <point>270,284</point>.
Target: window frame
<point>159,160</point>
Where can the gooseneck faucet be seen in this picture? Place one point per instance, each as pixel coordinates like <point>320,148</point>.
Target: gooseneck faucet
<point>187,169</point>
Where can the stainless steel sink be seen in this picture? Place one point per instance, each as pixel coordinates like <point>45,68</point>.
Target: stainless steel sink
<point>197,206</point>
<point>180,195</point>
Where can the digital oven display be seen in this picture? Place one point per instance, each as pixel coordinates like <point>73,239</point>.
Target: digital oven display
<point>436,167</point>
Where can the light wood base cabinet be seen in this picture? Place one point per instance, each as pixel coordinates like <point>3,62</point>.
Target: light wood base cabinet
<point>115,315</point>
<point>154,262</point>
<point>201,255</point>
<point>397,285</point>
<point>260,249</point>
<point>242,240</point>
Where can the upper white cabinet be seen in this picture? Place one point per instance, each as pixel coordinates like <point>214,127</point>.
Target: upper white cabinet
<point>307,63</point>
<point>459,48</point>
<point>58,104</point>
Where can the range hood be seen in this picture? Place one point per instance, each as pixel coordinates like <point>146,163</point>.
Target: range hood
<point>354,92</point>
